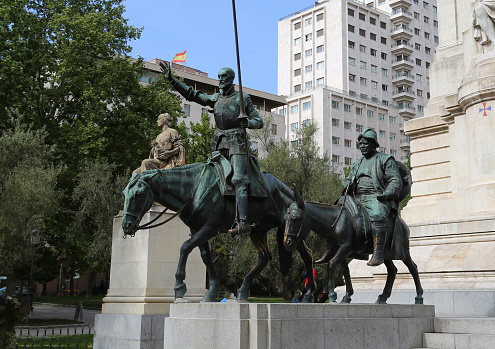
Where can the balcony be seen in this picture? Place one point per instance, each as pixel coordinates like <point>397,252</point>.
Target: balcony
<point>401,32</point>
<point>405,143</point>
<point>402,48</point>
<point>401,16</point>
<point>396,3</point>
<point>403,78</point>
<point>403,95</point>
<point>406,111</point>
<point>403,63</point>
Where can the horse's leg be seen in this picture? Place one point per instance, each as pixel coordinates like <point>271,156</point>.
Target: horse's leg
<point>211,294</point>
<point>204,234</point>
<point>349,291</point>
<point>308,263</point>
<point>387,291</point>
<point>332,295</point>
<point>339,257</point>
<point>413,269</point>
<point>259,240</point>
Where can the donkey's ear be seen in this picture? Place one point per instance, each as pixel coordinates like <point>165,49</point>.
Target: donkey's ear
<point>299,199</point>
<point>287,200</point>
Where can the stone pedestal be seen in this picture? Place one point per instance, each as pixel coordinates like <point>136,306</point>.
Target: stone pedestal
<point>285,326</point>
<point>142,279</point>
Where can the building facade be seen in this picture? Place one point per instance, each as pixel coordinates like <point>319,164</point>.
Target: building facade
<point>348,65</point>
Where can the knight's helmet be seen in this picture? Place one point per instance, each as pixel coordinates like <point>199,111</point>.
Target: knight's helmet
<point>370,135</point>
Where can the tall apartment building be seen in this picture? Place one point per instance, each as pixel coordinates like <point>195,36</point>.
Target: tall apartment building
<point>348,65</point>
<point>264,102</point>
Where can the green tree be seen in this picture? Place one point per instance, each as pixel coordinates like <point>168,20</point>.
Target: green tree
<point>198,141</point>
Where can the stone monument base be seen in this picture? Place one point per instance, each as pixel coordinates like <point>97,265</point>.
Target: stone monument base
<point>277,326</point>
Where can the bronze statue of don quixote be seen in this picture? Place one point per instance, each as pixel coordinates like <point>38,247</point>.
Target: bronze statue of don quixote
<point>229,194</point>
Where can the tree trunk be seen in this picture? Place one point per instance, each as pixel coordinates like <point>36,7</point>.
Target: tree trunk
<point>91,282</point>
<point>44,292</point>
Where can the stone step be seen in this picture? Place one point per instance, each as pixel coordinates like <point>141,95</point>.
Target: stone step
<point>458,341</point>
<point>483,326</point>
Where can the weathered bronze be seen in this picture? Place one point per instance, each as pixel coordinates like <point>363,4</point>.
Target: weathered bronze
<point>167,149</point>
<point>206,211</point>
<point>230,136</point>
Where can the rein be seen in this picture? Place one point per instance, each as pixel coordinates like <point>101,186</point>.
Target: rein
<point>342,207</point>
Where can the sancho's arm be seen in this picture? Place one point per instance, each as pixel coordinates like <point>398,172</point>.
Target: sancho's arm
<point>186,91</point>
<point>394,181</point>
<point>255,121</point>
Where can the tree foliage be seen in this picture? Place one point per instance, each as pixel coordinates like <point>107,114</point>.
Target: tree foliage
<point>198,141</point>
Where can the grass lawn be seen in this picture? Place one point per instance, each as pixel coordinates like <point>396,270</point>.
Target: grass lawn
<point>266,299</point>
<point>75,341</point>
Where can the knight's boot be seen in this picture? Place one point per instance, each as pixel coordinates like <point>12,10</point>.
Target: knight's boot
<point>242,227</point>
<point>327,256</point>
<point>379,235</point>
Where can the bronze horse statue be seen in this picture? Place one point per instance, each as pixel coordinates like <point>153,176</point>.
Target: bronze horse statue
<point>194,191</point>
<point>336,225</point>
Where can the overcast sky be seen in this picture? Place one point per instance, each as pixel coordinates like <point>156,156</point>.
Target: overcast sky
<point>206,30</point>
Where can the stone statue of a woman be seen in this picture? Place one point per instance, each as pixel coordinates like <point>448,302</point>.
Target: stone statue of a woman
<point>484,23</point>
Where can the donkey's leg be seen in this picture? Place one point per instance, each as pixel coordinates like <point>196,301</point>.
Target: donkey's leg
<point>413,269</point>
<point>340,256</point>
<point>387,291</point>
<point>211,294</point>
<point>349,291</point>
<point>259,240</point>
<point>198,238</point>
<point>308,263</point>
<point>332,295</point>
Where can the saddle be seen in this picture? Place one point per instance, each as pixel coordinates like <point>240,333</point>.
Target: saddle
<point>397,242</point>
<point>223,170</point>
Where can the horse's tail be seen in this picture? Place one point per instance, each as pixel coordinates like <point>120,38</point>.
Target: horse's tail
<point>284,256</point>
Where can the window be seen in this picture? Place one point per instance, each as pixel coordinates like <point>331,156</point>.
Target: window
<point>347,143</point>
<point>382,134</point>
<point>294,109</point>
<point>335,104</point>
<point>335,158</point>
<point>319,17</point>
<point>372,20</point>
<point>294,144</point>
<point>297,41</point>
<point>335,122</point>
<point>204,111</point>
<point>419,93</point>
<point>308,21</point>
<point>350,12</point>
<point>352,61</point>
<point>274,129</point>
<point>384,87</point>
<point>419,77</point>
<point>308,53</point>
<point>375,100</point>
<point>417,46</point>
<point>297,88</point>
<point>294,126</point>
<point>308,68</point>
<point>417,31</point>
<point>335,140</point>
<point>347,125</point>
<point>320,48</point>
<point>319,33</point>
<point>374,84</point>
<point>362,48</point>
<point>383,40</point>
<point>393,153</point>
<point>421,109</point>
<point>363,81</point>
<point>254,145</point>
<point>427,19</point>
<point>383,55</point>
<point>435,24</point>
<point>416,15</point>
<point>306,122</point>
<point>363,96</point>
<point>348,161</point>
<point>352,93</point>
<point>308,37</point>
<point>418,62</point>
<point>373,36</point>
<point>371,114</point>
<point>384,102</point>
<point>306,105</point>
<point>282,111</point>
<point>427,50</point>
<point>297,72</point>
<point>320,81</point>
<point>351,44</point>
<point>320,65</point>
<point>352,77</point>
<point>297,56</point>
<point>427,64</point>
<point>308,84</point>
<point>359,111</point>
<point>435,38</point>
<point>384,72</point>
<point>373,52</point>
<point>374,68</point>
<point>392,136</point>
<point>381,116</point>
<point>297,25</point>
<point>425,4</point>
<point>347,108</point>
<point>392,120</point>
<point>383,150</point>
<point>350,28</point>
<point>427,35</point>
<point>362,16</point>
<point>187,109</point>
<point>188,131</point>
<point>362,32</point>
<point>359,128</point>
<point>383,25</point>
<point>362,64</point>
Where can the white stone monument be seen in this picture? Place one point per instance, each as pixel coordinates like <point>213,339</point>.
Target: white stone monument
<point>142,279</point>
<point>452,211</point>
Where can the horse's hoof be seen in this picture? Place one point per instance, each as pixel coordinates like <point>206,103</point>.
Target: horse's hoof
<point>181,300</point>
<point>332,297</point>
<point>346,300</point>
<point>209,297</point>
<point>307,298</point>
<point>418,300</point>
<point>180,290</point>
<point>380,302</point>
<point>242,294</point>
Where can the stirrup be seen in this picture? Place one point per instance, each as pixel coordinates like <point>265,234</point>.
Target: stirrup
<point>241,227</point>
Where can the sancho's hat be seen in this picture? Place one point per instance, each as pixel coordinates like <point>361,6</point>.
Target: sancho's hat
<point>370,135</point>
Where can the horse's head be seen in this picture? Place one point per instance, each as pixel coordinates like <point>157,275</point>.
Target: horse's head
<point>138,200</point>
<point>294,220</point>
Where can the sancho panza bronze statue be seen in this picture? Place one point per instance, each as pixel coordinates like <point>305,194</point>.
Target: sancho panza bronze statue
<point>229,137</point>
<point>375,182</point>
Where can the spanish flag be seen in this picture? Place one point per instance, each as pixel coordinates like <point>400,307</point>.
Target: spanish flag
<point>180,57</point>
